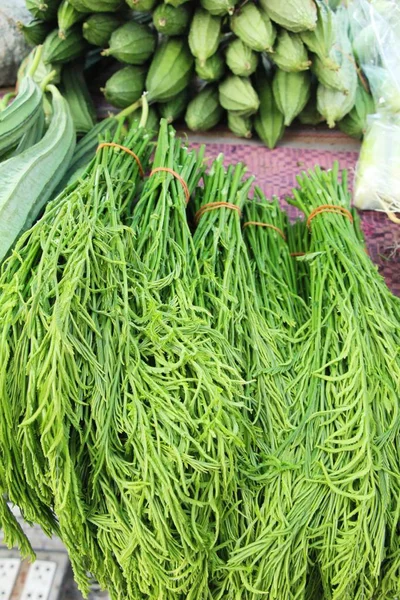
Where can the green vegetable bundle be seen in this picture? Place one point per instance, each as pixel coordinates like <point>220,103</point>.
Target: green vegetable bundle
<point>328,526</point>
<point>216,42</point>
<point>124,434</point>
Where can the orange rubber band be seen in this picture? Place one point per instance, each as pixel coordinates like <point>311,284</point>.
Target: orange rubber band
<point>125,149</point>
<point>297,254</point>
<point>332,208</point>
<point>259,224</point>
<point>212,206</point>
<point>177,176</point>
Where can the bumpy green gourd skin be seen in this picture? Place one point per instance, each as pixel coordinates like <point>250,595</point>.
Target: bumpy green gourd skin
<point>170,70</point>
<point>204,111</point>
<point>57,50</point>
<point>97,28</point>
<point>100,6</point>
<point>219,8</point>
<point>321,40</point>
<point>355,122</point>
<point>174,108</point>
<point>237,94</point>
<point>291,93</point>
<point>269,122</point>
<point>75,91</point>
<point>204,35</point>
<point>46,11</point>
<point>213,69</point>
<point>290,54</point>
<point>294,15</point>
<point>253,26</point>
<point>132,43</point>
<point>141,5</point>
<point>241,59</point>
<point>19,116</point>
<point>35,32</point>
<point>67,16</point>
<point>170,20</point>
<point>125,86</point>
<point>240,126</point>
<point>32,176</point>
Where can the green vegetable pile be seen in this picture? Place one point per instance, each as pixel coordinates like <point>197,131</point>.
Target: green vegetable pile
<point>198,397</point>
<point>257,65</point>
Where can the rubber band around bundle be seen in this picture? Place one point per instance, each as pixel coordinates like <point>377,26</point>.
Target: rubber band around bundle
<point>269,225</point>
<point>125,149</point>
<point>297,254</point>
<point>331,208</point>
<point>214,205</point>
<point>177,176</point>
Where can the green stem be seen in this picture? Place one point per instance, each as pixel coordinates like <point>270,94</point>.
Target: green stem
<point>145,111</point>
<point>36,61</point>
<point>48,79</point>
<point>128,110</point>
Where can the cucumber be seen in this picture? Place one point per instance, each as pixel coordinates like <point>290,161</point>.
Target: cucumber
<point>170,70</point>
<point>132,43</point>
<point>241,59</point>
<point>97,28</point>
<point>170,20</point>
<point>125,86</point>
<point>204,35</point>
<point>35,32</point>
<point>57,50</point>
<point>74,90</point>
<point>237,94</point>
<point>30,178</point>
<point>213,69</point>
<point>204,111</point>
<point>174,108</point>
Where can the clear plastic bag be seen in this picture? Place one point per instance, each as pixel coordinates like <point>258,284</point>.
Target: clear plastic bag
<point>375,31</point>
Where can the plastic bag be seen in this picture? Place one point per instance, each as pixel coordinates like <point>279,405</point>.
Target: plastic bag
<point>375,31</point>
